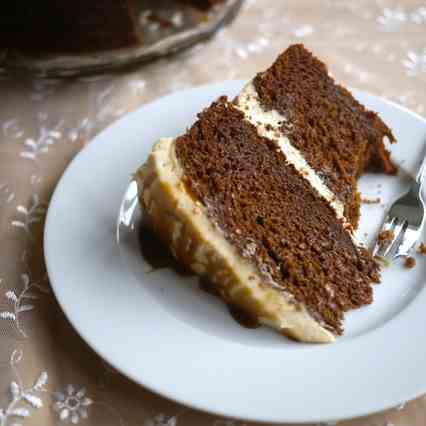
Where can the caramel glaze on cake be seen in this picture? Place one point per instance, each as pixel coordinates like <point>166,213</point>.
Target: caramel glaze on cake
<point>337,136</point>
<point>272,215</point>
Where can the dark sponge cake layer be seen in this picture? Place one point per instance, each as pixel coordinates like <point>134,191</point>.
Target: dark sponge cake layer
<point>338,137</point>
<point>272,215</point>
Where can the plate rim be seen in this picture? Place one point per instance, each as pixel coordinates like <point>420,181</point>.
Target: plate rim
<point>222,85</point>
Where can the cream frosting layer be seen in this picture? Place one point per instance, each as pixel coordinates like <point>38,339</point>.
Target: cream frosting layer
<point>183,224</point>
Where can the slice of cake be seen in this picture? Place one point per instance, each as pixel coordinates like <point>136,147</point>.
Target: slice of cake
<point>260,196</point>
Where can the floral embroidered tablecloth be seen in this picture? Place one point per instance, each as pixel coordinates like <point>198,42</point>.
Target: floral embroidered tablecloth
<point>48,375</point>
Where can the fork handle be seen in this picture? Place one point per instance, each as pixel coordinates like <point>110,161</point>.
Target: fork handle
<point>421,171</point>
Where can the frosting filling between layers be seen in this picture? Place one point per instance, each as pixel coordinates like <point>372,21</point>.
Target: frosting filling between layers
<point>268,125</point>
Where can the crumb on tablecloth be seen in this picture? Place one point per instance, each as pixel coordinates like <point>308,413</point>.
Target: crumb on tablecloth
<point>410,262</point>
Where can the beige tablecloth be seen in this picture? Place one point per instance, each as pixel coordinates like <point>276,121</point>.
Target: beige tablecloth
<point>48,375</point>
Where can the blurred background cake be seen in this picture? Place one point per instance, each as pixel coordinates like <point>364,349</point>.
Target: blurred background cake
<point>66,38</point>
<point>87,26</point>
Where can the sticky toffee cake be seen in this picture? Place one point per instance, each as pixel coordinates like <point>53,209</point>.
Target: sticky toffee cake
<point>260,197</point>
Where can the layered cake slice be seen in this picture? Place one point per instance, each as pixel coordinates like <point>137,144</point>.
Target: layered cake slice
<point>260,197</point>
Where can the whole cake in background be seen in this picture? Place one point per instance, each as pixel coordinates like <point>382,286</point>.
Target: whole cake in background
<point>80,26</point>
<point>260,197</point>
<point>202,4</point>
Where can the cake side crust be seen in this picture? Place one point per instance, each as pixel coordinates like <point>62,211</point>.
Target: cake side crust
<point>197,243</point>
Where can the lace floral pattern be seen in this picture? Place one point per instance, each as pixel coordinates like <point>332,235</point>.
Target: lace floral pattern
<point>71,404</point>
<point>22,301</point>
<point>161,420</point>
<point>22,400</point>
<point>27,216</point>
<point>379,46</point>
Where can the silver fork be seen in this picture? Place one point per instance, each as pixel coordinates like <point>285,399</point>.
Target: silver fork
<point>404,220</point>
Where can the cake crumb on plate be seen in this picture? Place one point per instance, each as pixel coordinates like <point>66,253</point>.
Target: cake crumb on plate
<point>410,262</point>
<point>385,236</point>
<point>422,249</point>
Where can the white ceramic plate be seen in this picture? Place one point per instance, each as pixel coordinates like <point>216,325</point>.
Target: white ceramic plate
<point>164,333</point>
